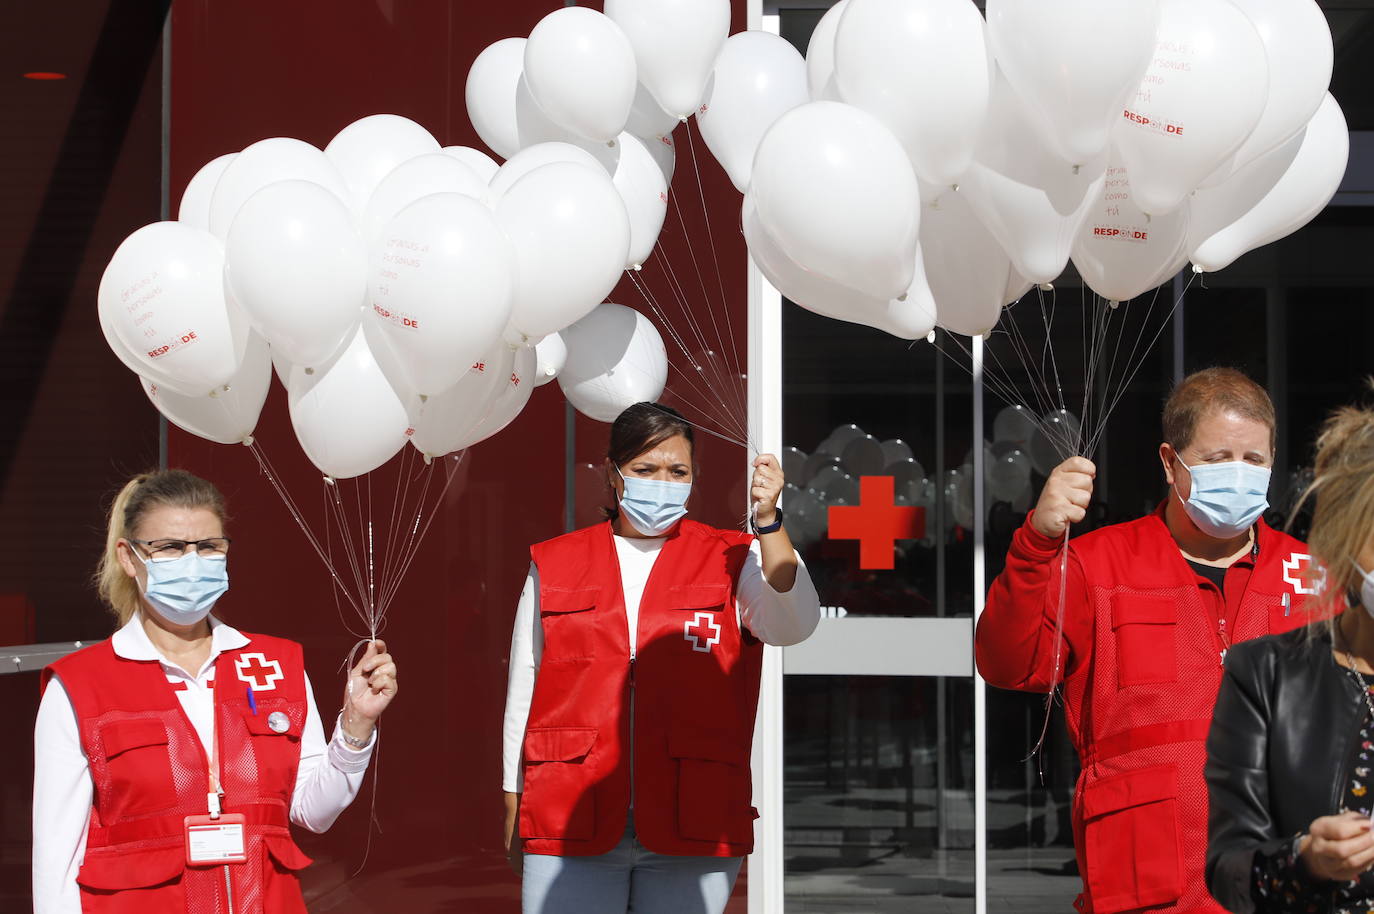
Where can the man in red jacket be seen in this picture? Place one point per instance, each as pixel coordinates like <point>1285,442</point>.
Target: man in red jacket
<point>1149,609</point>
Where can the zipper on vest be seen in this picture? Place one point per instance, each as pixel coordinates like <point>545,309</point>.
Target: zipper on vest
<point>632,732</point>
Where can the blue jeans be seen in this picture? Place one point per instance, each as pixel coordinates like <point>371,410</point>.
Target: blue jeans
<point>629,878</point>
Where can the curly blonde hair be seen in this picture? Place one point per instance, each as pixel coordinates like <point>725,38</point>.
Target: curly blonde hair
<point>1343,488</point>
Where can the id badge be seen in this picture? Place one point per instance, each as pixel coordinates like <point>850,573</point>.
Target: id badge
<point>210,842</point>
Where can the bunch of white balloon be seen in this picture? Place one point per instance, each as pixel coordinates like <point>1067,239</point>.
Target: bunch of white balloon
<point>923,166</point>
<point>401,288</point>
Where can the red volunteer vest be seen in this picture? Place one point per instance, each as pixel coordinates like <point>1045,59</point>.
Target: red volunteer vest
<point>150,771</point>
<point>690,693</point>
<point>1139,718</point>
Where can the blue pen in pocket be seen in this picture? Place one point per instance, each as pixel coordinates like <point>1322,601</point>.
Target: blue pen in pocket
<point>252,702</point>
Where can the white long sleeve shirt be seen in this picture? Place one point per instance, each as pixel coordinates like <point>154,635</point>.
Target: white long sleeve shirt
<point>326,781</point>
<point>772,617</point>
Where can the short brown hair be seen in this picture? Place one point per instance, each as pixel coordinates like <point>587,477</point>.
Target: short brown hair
<point>140,495</point>
<point>641,427</point>
<point>1215,390</point>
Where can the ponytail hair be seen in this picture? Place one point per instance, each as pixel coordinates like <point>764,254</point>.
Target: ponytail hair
<point>140,495</point>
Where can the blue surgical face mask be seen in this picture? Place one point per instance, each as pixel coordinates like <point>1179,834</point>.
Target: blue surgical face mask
<point>184,590</point>
<point>653,505</point>
<point>1226,498</point>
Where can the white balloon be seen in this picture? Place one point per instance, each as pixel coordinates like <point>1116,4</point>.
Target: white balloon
<point>532,157</point>
<point>347,417</point>
<point>571,236</point>
<point>615,360</point>
<point>580,69</point>
<point>1303,190</point>
<point>1033,203</point>
<point>441,278</point>
<point>966,268</point>
<point>367,150</point>
<point>550,355</point>
<point>820,56</point>
<point>665,155</point>
<point>226,416</point>
<point>1076,63</point>
<point>295,264</point>
<point>864,456</point>
<point>642,189</point>
<point>758,78</point>
<point>267,162</point>
<point>909,318</point>
<point>511,397</point>
<point>647,118</point>
<point>194,209</point>
<point>1120,251</point>
<point>1015,424</point>
<point>490,95</point>
<point>481,163</point>
<point>162,295</point>
<point>922,69</point>
<point>1200,98</point>
<point>447,420</point>
<point>413,179</point>
<point>1017,286</point>
<point>1297,44</point>
<point>834,189</point>
<point>675,44</point>
<point>896,450</point>
<point>1212,208</point>
<point>131,362</point>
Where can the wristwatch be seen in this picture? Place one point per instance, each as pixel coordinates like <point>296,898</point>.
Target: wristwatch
<point>774,527</point>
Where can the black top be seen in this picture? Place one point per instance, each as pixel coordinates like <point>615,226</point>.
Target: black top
<point>1211,572</point>
<point>1288,732</point>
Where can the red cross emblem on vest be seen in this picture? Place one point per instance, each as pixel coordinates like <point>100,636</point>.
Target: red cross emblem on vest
<point>876,522</point>
<point>259,672</point>
<point>702,631</point>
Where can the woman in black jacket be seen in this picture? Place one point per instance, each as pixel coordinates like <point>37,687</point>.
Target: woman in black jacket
<point>1290,755</point>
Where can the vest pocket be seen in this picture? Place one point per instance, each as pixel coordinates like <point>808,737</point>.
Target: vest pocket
<point>140,766</point>
<point>714,788</point>
<point>568,631</point>
<point>114,871</point>
<point>1146,629</point>
<point>558,801</point>
<point>1131,840</point>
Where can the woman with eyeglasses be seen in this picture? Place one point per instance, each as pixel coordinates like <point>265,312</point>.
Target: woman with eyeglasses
<point>171,759</point>
<point>634,676</point>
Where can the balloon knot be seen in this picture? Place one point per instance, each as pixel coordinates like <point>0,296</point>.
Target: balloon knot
<point>1197,269</point>
<point>247,441</point>
<point>1075,168</point>
<point>637,267</point>
<point>329,480</point>
<point>424,398</point>
<point>930,337</point>
<point>429,459</point>
<point>1047,287</point>
<point>901,297</point>
<point>1113,304</point>
<point>309,370</point>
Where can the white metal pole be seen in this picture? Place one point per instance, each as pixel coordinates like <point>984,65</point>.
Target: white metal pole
<point>980,779</point>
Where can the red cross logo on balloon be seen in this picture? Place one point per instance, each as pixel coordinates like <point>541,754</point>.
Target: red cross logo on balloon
<point>254,667</point>
<point>702,631</point>
<point>876,522</point>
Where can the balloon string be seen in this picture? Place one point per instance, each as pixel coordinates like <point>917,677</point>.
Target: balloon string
<point>265,467</point>
<point>1056,671</point>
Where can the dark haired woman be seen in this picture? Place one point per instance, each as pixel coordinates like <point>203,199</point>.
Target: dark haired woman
<point>634,678</point>
<point>170,758</point>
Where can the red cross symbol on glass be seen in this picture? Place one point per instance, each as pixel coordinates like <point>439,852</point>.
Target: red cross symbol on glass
<point>876,522</point>
<point>252,667</point>
<point>702,631</point>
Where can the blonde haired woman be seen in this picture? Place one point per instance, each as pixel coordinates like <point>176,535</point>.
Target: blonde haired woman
<point>171,758</point>
<point>1291,749</point>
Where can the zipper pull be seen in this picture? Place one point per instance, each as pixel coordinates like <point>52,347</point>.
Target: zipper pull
<point>632,672</point>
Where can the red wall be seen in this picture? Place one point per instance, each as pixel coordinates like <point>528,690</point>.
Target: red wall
<point>258,68</point>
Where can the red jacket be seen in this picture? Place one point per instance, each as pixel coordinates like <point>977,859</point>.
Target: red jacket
<point>690,694</point>
<point>150,771</point>
<point>1143,639</point>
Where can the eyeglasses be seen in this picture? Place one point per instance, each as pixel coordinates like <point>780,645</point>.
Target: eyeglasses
<point>165,550</point>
